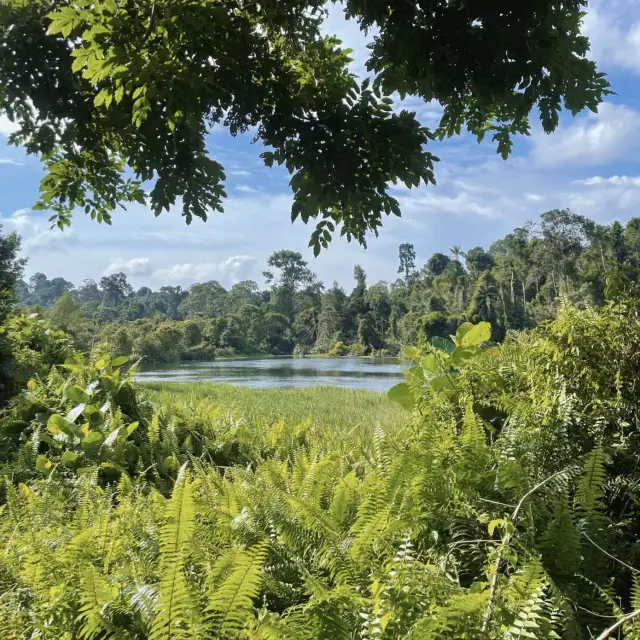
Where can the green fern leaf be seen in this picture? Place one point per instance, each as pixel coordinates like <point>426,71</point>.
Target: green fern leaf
<point>231,605</point>
<point>171,621</point>
<point>96,593</point>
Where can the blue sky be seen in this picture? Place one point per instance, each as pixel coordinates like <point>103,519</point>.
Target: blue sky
<point>591,165</point>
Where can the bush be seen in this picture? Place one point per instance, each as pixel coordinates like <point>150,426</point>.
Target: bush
<point>338,349</point>
<point>357,349</point>
<point>202,352</point>
<point>225,352</point>
<point>301,350</point>
<point>30,348</point>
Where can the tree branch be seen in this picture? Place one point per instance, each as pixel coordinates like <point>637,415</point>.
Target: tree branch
<point>605,634</point>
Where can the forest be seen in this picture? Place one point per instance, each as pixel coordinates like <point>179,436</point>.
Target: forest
<point>492,495</point>
<point>516,283</point>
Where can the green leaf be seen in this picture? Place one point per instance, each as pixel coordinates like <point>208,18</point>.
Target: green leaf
<point>443,344</point>
<point>57,424</point>
<point>90,410</point>
<point>430,363</point>
<point>411,353</point>
<point>43,464</point>
<point>442,383</point>
<point>493,524</point>
<point>92,441</point>
<point>45,437</point>
<point>464,328</point>
<point>132,427</point>
<point>119,361</point>
<point>401,394</point>
<point>69,458</point>
<point>103,362</point>
<point>76,394</point>
<point>477,335</point>
<point>461,355</point>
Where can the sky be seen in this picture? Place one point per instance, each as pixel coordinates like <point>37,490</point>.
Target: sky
<point>591,165</point>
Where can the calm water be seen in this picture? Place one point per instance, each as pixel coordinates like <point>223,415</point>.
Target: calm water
<point>356,373</point>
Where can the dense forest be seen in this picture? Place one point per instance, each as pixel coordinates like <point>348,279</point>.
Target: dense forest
<point>516,283</point>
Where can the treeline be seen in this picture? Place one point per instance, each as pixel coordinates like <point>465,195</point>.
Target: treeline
<point>516,283</point>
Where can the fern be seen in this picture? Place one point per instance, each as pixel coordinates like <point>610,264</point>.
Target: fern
<point>171,620</point>
<point>531,618</point>
<point>230,606</point>
<point>96,594</point>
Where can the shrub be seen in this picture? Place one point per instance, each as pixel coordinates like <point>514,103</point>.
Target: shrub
<point>339,349</point>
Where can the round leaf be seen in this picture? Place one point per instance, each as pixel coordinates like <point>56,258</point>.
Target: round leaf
<point>78,395</point>
<point>477,335</point>
<point>401,394</point>
<point>411,353</point>
<point>69,458</point>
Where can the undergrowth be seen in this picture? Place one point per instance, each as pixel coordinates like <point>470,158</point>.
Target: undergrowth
<point>503,506</point>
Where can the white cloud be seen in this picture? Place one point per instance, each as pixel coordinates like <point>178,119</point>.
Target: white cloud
<point>131,266</point>
<point>428,113</point>
<point>227,271</point>
<point>593,140</point>
<point>6,126</point>
<point>245,188</point>
<point>613,28</point>
<point>11,161</point>
<point>352,38</point>
<point>613,180</point>
<point>36,234</point>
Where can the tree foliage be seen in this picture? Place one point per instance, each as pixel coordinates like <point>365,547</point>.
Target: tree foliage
<point>131,92</point>
<point>517,283</point>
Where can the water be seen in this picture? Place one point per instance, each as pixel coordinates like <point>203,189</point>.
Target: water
<point>354,373</point>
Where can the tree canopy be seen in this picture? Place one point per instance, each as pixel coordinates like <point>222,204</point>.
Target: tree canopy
<point>518,283</point>
<point>118,97</point>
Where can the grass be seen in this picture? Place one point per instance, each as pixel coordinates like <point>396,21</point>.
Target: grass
<point>331,407</point>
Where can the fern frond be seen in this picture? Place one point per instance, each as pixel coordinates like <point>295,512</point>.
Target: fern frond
<point>531,620</point>
<point>95,595</point>
<point>231,604</point>
<point>171,619</point>
<point>591,484</point>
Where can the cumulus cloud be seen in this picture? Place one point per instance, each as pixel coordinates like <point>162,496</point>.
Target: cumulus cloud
<point>613,28</point>
<point>130,266</point>
<point>352,38</point>
<point>596,139</point>
<point>613,180</point>
<point>227,271</point>
<point>6,126</point>
<point>428,113</point>
<point>36,234</point>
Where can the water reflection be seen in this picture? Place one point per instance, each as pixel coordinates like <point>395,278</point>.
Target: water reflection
<point>355,373</point>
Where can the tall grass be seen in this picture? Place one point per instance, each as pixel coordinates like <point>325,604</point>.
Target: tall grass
<point>329,407</point>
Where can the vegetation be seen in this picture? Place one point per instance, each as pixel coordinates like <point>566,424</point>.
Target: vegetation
<point>326,407</point>
<point>502,506</point>
<point>516,283</point>
<point>132,91</point>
